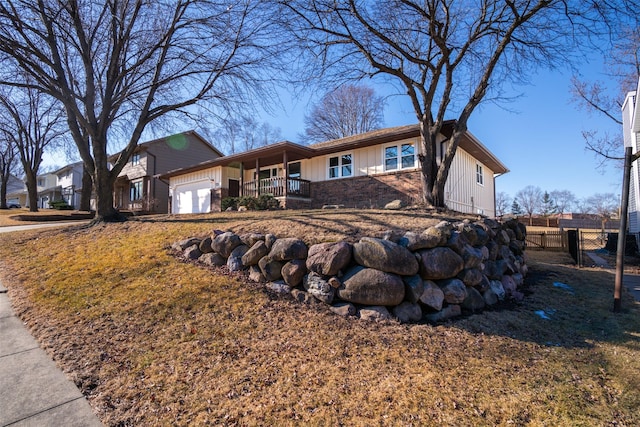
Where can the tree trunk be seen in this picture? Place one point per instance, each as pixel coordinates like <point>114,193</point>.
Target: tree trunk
<point>103,181</point>
<point>87,189</point>
<point>32,190</point>
<point>3,191</point>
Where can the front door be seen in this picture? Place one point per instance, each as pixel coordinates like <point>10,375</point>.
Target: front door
<point>234,188</point>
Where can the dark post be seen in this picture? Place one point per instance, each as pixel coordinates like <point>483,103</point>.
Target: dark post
<point>622,234</point>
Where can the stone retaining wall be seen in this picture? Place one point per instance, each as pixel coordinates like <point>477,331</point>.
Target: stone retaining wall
<point>447,269</point>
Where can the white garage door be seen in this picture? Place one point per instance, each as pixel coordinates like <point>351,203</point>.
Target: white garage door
<point>192,198</point>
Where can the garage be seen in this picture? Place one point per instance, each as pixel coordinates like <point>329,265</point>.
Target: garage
<point>193,197</point>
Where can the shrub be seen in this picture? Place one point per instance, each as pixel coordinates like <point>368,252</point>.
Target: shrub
<point>229,202</point>
<point>261,203</point>
<point>60,205</point>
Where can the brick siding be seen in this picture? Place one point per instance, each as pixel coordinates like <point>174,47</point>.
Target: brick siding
<point>372,191</point>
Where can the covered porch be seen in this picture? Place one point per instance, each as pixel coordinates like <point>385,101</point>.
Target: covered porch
<point>275,169</point>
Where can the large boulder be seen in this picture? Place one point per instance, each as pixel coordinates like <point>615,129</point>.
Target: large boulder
<point>317,286</point>
<point>329,258</point>
<point>454,291</point>
<point>429,238</point>
<point>497,288</point>
<point>384,255</point>
<point>234,262</point>
<point>225,243</point>
<point>288,249</point>
<point>205,245</point>
<point>184,244</point>
<point>471,276</point>
<point>472,257</point>
<point>369,286</point>
<point>474,301</point>
<point>413,288</point>
<point>407,312</point>
<point>271,269</point>
<point>251,239</point>
<point>432,297</point>
<point>192,252</point>
<point>255,253</point>
<point>293,272</point>
<point>440,263</point>
<point>212,259</point>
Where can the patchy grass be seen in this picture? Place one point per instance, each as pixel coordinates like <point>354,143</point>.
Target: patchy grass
<point>154,341</point>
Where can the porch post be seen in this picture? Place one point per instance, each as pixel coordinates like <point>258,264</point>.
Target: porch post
<point>258,175</point>
<point>241,179</point>
<point>286,173</point>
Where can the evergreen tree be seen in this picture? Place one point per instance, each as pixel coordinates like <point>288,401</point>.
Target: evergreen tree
<point>515,208</point>
<point>548,205</point>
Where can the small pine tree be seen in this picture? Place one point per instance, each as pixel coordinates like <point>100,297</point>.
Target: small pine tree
<point>548,206</point>
<point>516,209</point>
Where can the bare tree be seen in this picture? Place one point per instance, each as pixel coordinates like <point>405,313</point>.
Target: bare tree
<point>605,205</point>
<point>448,56</point>
<point>564,200</point>
<point>604,98</point>
<point>345,111</point>
<point>530,199</point>
<point>117,66</point>
<point>244,133</point>
<point>503,203</point>
<point>8,166</point>
<point>33,122</point>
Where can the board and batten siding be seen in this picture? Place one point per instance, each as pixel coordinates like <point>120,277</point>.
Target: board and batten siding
<point>210,174</point>
<point>462,191</point>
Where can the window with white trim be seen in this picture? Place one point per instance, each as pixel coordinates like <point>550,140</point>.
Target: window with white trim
<point>479,174</point>
<point>135,190</point>
<point>135,159</point>
<point>341,166</point>
<point>401,156</point>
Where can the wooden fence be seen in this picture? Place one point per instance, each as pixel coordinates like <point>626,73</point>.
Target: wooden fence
<point>547,240</point>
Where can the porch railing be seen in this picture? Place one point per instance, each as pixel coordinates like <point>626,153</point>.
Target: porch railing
<point>278,187</point>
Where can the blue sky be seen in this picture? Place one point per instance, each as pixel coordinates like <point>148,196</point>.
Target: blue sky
<point>538,136</point>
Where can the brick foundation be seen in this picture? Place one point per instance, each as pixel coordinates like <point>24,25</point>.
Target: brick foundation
<point>372,191</point>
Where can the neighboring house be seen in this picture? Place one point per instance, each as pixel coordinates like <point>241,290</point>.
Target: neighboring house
<point>16,191</point>
<point>138,187</point>
<point>48,190</point>
<point>631,133</point>
<point>363,171</point>
<point>69,180</point>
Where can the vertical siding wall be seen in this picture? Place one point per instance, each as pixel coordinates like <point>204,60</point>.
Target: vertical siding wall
<point>463,193</point>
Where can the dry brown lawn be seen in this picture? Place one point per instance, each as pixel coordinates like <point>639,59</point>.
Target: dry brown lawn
<point>151,340</point>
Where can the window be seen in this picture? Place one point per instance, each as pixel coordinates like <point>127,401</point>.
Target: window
<point>341,166</point>
<point>267,173</point>
<point>135,191</point>
<point>135,159</point>
<point>399,157</point>
<point>479,174</point>
<point>40,182</point>
<point>295,170</point>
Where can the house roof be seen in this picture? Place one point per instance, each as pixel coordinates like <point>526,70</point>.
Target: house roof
<point>145,145</point>
<point>267,155</point>
<point>273,153</point>
<point>66,168</point>
<point>469,143</point>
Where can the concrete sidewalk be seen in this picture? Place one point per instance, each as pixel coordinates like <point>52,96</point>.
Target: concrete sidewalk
<point>632,283</point>
<point>33,390</point>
